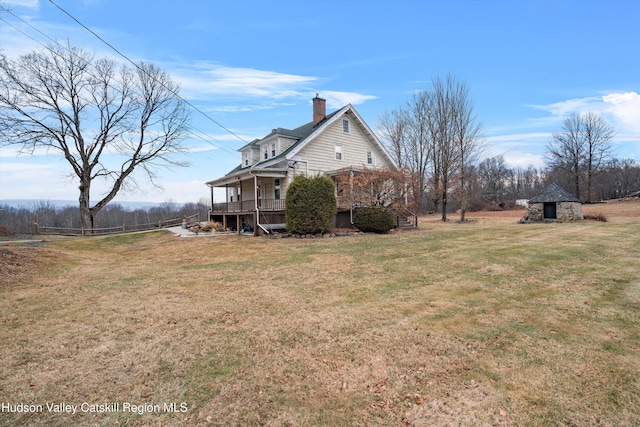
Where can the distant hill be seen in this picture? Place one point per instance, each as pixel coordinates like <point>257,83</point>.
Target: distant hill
<point>28,203</point>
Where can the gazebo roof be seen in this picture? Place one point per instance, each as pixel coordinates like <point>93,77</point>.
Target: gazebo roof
<point>554,193</point>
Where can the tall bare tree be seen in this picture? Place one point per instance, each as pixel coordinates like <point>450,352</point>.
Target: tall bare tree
<point>106,120</point>
<point>406,133</point>
<point>580,148</point>
<point>468,142</point>
<point>455,135</point>
<point>597,139</point>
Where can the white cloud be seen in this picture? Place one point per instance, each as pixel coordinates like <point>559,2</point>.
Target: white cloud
<point>17,167</point>
<point>337,99</point>
<point>519,149</point>
<point>621,109</point>
<point>570,106</point>
<point>212,79</point>
<point>625,108</point>
<point>172,191</point>
<point>269,89</point>
<point>30,4</point>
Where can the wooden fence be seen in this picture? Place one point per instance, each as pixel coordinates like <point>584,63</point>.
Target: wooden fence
<point>174,222</point>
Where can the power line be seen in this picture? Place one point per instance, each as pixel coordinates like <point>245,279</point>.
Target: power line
<point>138,67</point>
<point>206,139</point>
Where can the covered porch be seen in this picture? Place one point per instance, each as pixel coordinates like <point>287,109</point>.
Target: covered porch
<point>250,201</point>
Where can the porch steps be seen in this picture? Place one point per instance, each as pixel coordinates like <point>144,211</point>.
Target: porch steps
<point>404,224</point>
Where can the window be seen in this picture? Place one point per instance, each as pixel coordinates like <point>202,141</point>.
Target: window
<point>345,125</point>
<point>276,189</point>
<point>273,149</point>
<point>246,159</point>
<point>338,151</point>
<point>266,152</point>
<point>369,158</point>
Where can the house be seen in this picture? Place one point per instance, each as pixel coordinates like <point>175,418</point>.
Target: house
<point>255,190</point>
<point>554,204</point>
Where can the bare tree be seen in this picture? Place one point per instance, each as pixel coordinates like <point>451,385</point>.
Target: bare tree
<point>494,174</point>
<point>393,128</point>
<point>106,120</point>
<point>567,151</point>
<point>371,187</point>
<point>580,148</point>
<point>455,137</point>
<point>597,139</point>
<point>405,131</point>
<point>468,142</point>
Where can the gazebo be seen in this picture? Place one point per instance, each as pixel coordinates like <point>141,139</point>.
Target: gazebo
<point>554,204</point>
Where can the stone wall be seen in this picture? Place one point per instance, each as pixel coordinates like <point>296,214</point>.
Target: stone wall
<point>568,211</point>
<point>565,211</point>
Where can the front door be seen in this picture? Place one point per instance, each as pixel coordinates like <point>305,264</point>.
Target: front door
<point>550,211</point>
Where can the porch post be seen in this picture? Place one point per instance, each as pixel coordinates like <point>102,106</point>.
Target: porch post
<point>256,222</point>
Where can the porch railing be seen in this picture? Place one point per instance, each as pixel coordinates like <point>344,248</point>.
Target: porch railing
<point>270,205</point>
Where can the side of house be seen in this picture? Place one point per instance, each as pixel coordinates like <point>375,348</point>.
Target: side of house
<point>254,192</point>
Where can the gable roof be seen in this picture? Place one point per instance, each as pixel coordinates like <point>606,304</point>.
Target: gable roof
<point>304,135</point>
<point>554,193</point>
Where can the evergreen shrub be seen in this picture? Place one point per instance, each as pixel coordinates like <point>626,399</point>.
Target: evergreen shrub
<point>311,205</point>
<point>376,219</point>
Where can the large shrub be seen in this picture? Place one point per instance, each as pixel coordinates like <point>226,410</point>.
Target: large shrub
<point>376,219</point>
<point>311,205</point>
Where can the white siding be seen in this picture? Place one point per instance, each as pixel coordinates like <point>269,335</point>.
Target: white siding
<point>321,155</point>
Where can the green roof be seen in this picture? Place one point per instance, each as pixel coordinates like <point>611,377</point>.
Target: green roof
<point>300,133</point>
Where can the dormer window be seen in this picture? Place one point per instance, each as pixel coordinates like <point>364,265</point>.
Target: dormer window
<point>266,152</point>
<point>273,149</point>
<point>246,159</point>
<point>345,125</point>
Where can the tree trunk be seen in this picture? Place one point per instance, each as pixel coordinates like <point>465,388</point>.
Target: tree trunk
<point>86,214</point>
<point>589,175</point>
<point>463,197</point>
<point>444,205</point>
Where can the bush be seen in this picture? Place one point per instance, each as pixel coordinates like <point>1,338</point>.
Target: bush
<point>595,217</point>
<point>376,219</point>
<point>311,205</point>
<point>212,226</point>
<point>6,231</point>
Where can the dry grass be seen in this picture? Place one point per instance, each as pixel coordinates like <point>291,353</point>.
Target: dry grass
<point>485,323</point>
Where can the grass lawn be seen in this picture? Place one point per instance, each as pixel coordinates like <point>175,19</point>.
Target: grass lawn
<point>484,323</point>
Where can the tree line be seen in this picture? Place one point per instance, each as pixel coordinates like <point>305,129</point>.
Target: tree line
<point>438,142</point>
<point>20,220</point>
<point>108,120</point>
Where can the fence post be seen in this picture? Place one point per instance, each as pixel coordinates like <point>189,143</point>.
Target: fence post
<point>35,225</point>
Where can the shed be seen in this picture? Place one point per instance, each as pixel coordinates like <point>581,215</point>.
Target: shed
<point>554,204</point>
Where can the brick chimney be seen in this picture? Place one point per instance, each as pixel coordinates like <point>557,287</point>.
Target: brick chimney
<point>319,109</point>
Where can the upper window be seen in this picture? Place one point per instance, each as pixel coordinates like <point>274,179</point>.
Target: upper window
<point>266,152</point>
<point>273,149</point>
<point>369,157</point>
<point>246,159</point>
<point>338,151</point>
<point>345,125</point>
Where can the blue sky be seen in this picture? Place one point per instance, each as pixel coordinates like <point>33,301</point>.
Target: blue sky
<point>255,65</point>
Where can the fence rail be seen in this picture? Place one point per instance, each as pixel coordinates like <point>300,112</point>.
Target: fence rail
<point>67,231</point>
